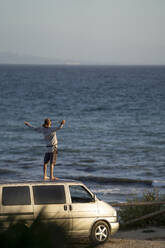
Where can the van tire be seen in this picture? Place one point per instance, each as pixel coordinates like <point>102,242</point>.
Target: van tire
<point>100,232</point>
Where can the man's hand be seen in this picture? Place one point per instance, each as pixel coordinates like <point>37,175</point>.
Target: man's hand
<point>62,122</point>
<point>26,123</point>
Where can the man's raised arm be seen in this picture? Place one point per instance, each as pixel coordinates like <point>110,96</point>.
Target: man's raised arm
<point>27,124</point>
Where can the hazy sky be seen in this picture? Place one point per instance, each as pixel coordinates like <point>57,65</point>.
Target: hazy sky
<point>103,31</point>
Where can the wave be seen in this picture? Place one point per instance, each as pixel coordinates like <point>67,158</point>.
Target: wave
<point>96,109</point>
<point>6,171</point>
<point>158,184</point>
<point>103,180</point>
<point>70,150</point>
<point>87,160</point>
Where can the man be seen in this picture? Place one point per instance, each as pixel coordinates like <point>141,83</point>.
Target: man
<point>50,137</point>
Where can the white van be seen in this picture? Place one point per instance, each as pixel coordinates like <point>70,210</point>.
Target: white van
<point>64,201</point>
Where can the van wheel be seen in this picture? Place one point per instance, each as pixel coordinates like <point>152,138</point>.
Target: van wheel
<point>100,232</point>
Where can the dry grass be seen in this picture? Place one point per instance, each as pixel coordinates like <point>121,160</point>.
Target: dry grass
<point>119,243</point>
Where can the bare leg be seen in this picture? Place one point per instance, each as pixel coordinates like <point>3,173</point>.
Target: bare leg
<point>45,172</point>
<point>51,172</point>
<point>52,164</point>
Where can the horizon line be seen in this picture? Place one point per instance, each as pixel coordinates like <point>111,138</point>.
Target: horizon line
<point>77,65</point>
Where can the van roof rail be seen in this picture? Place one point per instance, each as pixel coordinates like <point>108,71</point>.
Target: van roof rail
<point>38,181</point>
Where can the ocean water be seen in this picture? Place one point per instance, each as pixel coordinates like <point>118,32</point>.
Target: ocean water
<point>114,137</point>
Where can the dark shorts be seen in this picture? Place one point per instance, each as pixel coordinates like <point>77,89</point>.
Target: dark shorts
<point>50,156</point>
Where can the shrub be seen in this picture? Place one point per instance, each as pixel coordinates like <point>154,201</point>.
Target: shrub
<point>132,212</point>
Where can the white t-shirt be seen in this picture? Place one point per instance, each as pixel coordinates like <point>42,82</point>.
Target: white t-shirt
<point>50,137</point>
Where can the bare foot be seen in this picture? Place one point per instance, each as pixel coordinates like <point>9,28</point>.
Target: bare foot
<point>54,178</point>
<point>46,178</point>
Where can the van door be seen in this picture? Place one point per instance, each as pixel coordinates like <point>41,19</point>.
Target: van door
<point>51,199</point>
<point>83,209</point>
<point>16,205</point>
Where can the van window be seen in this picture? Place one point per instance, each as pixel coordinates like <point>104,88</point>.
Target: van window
<point>79,194</point>
<point>17,195</point>
<point>51,194</point>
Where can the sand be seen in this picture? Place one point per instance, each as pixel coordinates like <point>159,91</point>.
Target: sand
<point>149,233</point>
<point>124,243</point>
<point>150,237</point>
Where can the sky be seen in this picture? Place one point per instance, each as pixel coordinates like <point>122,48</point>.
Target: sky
<point>88,31</point>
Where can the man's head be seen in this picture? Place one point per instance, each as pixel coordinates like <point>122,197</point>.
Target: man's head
<point>47,123</point>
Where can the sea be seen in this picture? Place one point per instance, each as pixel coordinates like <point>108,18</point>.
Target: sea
<point>114,136</point>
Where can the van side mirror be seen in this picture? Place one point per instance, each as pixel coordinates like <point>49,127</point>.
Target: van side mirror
<point>93,198</point>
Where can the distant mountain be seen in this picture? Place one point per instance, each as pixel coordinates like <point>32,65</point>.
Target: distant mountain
<point>14,58</point>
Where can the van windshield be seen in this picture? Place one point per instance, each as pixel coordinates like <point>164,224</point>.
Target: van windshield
<point>79,194</point>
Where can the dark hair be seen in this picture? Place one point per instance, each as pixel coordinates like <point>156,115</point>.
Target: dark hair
<point>46,123</point>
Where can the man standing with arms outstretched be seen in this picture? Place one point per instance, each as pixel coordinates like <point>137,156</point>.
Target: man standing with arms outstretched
<point>50,137</point>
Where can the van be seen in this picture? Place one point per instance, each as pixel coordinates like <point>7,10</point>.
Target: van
<point>64,201</point>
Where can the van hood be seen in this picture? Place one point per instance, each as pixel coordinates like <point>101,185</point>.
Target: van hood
<point>106,209</point>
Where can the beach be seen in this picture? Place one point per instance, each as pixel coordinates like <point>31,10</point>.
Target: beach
<point>150,237</point>
<point>127,243</point>
<point>141,238</point>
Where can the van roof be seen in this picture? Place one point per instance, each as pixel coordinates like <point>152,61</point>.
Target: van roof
<point>39,182</point>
